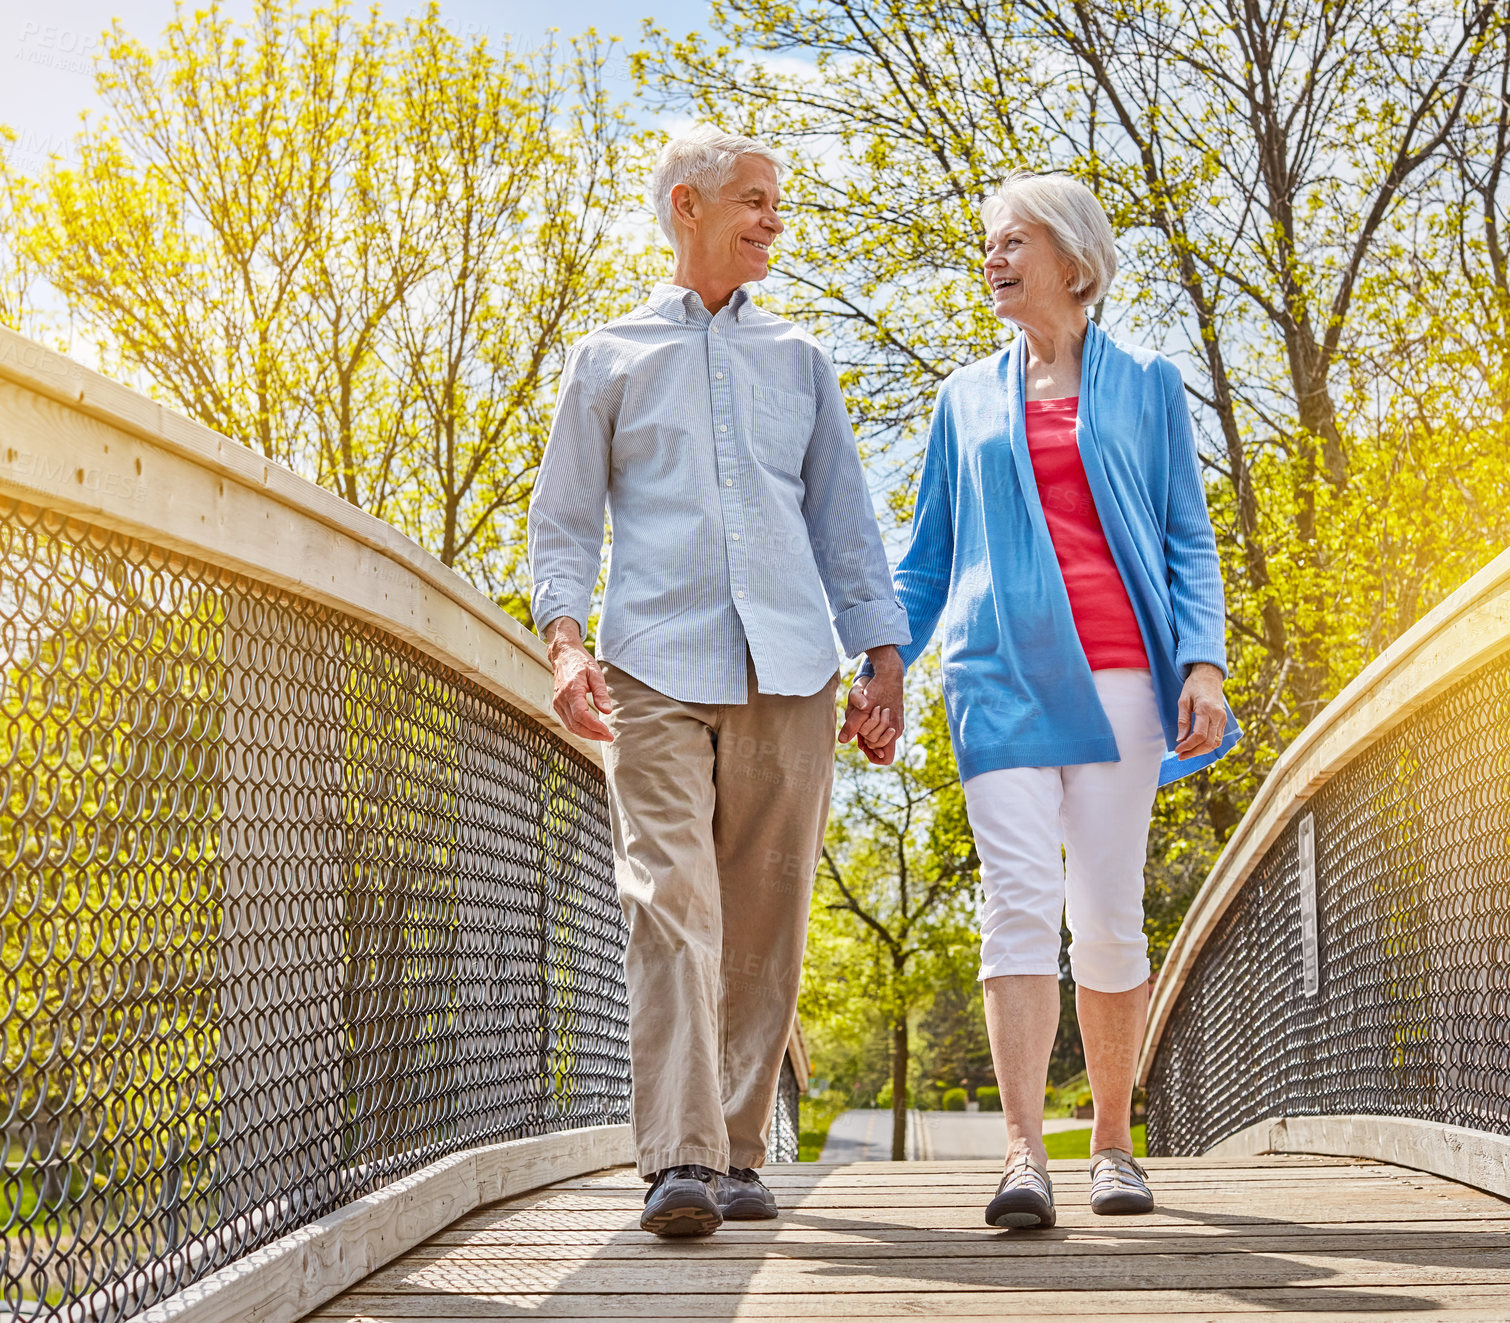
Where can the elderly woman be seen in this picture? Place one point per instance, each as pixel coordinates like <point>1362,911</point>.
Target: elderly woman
<point>1061,533</point>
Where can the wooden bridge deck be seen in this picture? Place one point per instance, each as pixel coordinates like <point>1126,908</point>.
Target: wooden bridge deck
<point>1289,1238</point>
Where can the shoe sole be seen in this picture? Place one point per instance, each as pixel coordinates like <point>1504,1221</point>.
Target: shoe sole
<point>750,1211</point>
<point>1020,1219</point>
<point>1122,1205</point>
<point>1023,1222</point>
<point>687,1220</point>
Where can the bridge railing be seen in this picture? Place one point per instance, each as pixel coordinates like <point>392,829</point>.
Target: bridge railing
<point>306,890</point>
<point>1341,983</point>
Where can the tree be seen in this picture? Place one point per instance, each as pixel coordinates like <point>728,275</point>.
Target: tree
<point>357,246</point>
<point>895,895</point>
<point>1311,203</point>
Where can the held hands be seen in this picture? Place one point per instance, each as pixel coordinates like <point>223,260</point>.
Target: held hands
<point>580,692</point>
<point>873,716</point>
<point>1203,716</point>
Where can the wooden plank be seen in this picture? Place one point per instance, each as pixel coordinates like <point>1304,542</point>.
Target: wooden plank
<point>1387,1303</point>
<point>956,1245</point>
<point>1398,1266</point>
<point>1490,1314</point>
<point>778,1235</point>
<point>1276,1241</point>
<point>966,1205</point>
<point>924,1219</point>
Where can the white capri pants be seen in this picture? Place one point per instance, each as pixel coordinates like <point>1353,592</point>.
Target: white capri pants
<point>1099,813</point>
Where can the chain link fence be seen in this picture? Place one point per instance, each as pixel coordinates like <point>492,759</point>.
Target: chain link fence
<point>290,911</point>
<point>1386,990</point>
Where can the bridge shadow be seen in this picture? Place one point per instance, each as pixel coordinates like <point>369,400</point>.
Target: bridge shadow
<point>579,1253</point>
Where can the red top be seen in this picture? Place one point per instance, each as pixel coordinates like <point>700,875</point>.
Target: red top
<point>1098,600</point>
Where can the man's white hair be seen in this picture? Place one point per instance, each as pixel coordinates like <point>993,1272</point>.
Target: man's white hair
<point>702,158</point>
<point>1075,220</point>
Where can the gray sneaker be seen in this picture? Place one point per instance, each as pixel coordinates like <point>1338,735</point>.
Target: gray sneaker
<point>681,1202</point>
<point>1024,1199</point>
<point>1118,1183</point>
<point>743,1196</point>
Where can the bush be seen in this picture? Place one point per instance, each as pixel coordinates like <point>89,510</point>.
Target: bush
<point>989,1098</point>
<point>817,1113</point>
<point>955,1100</point>
<point>883,1099</point>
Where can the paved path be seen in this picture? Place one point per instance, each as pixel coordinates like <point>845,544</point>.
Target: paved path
<point>860,1135</point>
<point>1246,1240</point>
<point>967,1136</point>
<point>864,1135</point>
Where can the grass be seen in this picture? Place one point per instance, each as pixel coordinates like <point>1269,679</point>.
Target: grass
<point>814,1116</point>
<point>1077,1143</point>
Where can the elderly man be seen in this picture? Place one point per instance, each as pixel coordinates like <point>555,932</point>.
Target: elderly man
<point>715,433</point>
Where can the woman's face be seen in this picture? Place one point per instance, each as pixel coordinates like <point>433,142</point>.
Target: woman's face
<point>1027,279</point>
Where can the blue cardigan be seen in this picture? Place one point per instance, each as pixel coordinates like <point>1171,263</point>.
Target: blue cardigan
<point>1017,688</point>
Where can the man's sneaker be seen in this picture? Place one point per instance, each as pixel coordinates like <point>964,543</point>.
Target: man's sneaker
<point>743,1197</point>
<point>681,1202</point>
<point>1024,1199</point>
<point>1118,1184</point>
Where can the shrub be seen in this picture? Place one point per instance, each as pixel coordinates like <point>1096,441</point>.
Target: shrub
<point>989,1098</point>
<point>883,1099</point>
<point>955,1100</point>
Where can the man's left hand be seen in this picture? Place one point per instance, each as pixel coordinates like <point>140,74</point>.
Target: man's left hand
<point>1203,715</point>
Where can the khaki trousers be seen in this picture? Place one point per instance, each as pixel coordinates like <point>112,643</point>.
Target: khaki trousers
<point>718,815</point>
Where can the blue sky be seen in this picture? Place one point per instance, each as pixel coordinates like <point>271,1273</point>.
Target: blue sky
<point>46,48</point>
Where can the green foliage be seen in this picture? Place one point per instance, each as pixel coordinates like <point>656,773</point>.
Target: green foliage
<point>988,1096</point>
<point>955,1100</point>
<point>952,1047</point>
<point>893,909</point>
<point>815,1115</point>
<point>1061,1100</point>
<point>358,246</point>
<point>1071,1144</point>
<point>1318,240</point>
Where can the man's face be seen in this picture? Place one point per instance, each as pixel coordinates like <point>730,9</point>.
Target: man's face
<point>735,230</point>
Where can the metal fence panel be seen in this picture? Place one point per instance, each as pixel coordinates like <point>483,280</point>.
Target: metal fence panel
<point>1411,1014</point>
<point>290,911</point>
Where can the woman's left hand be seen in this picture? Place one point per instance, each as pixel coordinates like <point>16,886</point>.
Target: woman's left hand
<point>1203,715</point>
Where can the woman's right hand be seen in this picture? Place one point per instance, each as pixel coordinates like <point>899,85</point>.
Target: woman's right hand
<point>872,728</point>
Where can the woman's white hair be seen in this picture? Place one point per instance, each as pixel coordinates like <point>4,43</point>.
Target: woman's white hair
<point>702,158</point>
<point>1075,220</point>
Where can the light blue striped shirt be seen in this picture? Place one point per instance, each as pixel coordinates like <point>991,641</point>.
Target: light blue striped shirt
<point>721,448</point>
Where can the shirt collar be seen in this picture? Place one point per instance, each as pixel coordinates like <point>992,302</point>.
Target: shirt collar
<point>681,305</point>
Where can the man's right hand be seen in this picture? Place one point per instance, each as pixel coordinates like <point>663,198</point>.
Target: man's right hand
<point>580,692</point>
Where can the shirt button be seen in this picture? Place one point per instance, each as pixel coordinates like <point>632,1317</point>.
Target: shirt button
<point>715,330</point>
<point>740,593</point>
<point>736,537</point>
<point>728,482</point>
<point>718,376</point>
<point>723,427</point>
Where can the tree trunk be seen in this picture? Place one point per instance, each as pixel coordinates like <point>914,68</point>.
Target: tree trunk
<point>899,1052</point>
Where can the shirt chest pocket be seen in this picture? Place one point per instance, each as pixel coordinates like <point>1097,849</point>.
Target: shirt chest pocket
<point>782,423</point>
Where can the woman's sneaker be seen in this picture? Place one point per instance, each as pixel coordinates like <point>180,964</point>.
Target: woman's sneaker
<point>743,1196</point>
<point>1118,1184</point>
<point>1024,1199</point>
<point>681,1202</point>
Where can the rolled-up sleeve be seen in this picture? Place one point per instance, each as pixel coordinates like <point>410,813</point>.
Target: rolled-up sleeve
<point>842,528</point>
<point>565,525</point>
<point>1194,568</point>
